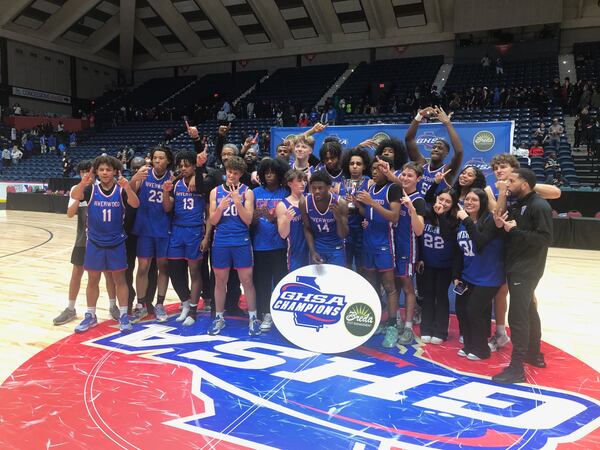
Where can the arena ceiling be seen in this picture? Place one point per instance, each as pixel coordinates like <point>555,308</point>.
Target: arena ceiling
<point>140,34</point>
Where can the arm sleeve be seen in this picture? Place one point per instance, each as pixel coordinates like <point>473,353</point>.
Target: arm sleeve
<point>395,193</point>
<point>87,194</point>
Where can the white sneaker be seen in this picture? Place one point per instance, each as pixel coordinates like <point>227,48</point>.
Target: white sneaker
<point>436,340</point>
<point>473,357</point>
<point>461,353</point>
<point>498,341</point>
<point>184,313</point>
<point>267,322</point>
<point>461,339</point>
<point>426,339</point>
<point>189,321</point>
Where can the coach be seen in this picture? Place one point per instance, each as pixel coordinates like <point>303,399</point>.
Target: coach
<point>529,234</point>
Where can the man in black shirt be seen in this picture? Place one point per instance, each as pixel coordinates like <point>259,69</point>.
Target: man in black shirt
<point>529,234</point>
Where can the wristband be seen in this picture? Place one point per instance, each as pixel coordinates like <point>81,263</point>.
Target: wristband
<point>418,117</point>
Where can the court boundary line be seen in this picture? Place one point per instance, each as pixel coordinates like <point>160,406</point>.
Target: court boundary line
<point>35,246</point>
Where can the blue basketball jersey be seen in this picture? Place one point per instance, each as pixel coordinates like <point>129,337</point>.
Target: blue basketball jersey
<point>189,207</point>
<point>379,235</point>
<point>106,214</point>
<point>297,250</point>
<point>484,268</point>
<point>151,219</point>
<point>264,233</point>
<point>323,225</point>
<point>404,236</point>
<point>429,178</point>
<point>231,231</point>
<point>437,252</point>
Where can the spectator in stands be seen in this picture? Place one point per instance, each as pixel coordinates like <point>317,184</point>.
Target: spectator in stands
<point>486,62</point>
<point>551,167</point>
<point>555,131</point>
<point>521,152</point>
<point>28,148</point>
<point>541,133</point>
<point>226,107</point>
<point>6,156</point>
<point>60,128</point>
<point>566,91</point>
<point>72,139</point>
<point>303,119</point>
<point>313,117</point>
<point>67,166</point>
<point>558,179</point>
<point>595,99</point>
<point>499,66</point>
<point>230,117</point>
<point>13,134</point>
<point>52,143</point>
<point>17,110</point>
<point>577,132</point>
<point>250,110</point>
<point>16,154</point>
<point>536,149</point>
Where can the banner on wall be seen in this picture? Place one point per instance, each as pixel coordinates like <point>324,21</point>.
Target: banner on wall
<point>480,140</point>
<point>19,186</point>
<point>41,95</point>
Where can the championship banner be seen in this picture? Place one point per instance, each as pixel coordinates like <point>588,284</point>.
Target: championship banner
<point>480,140</point>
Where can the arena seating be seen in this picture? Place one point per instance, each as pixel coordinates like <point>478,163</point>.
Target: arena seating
<point>154,91</point>
<point>530,73</point>
<point>404,74</point>
<point>304,85</point>
<point>226,85</point>
<point>587,60</point>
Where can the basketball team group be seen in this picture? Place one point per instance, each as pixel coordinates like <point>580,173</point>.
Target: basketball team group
<point>411,227</point>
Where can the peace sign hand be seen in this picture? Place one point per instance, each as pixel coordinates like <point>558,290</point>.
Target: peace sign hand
<point>461,214</point>
<point>441,176</point>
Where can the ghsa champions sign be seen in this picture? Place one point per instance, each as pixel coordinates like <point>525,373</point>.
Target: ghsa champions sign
<point>325,308</point>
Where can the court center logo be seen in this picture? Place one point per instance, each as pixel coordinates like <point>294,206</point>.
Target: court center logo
<point>484,141</point>
<point>325,308</point>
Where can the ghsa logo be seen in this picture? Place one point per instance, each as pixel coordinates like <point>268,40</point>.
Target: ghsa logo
<point>264,393</point>
<point>311,307</point>
<point>427,139</point>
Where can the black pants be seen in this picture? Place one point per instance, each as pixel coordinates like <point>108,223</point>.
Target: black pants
<point>473,310</point>
<point>270,266</point>
<point>131,248</point>
<point>436,307</point>
<point>523,318</point>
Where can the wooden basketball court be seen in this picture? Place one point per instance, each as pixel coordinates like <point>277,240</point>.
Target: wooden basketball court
<point>35,272</point>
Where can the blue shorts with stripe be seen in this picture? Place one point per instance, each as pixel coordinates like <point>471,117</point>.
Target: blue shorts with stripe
<point>152,247</point>
<point>184,243</point>
<point>239,257</point>
<point>405,267</point>
<point>380,261</point>
<point>105,259</point>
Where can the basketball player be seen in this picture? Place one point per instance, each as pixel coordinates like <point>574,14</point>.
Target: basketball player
<point>356,165</point>
<point>151,226</point>
<point>187,233</point>
<point>289,220</point>
<point>410,225</point>
<point>439,151</point>
<point>330,154</point>
<point>503,165</point>
<point>380,207</point>
<point>303,148</point>
<point>105,247</point>
<point>269,248</point>
<point>325,219</point>
<point>231,212</point>
<point>77,256</point>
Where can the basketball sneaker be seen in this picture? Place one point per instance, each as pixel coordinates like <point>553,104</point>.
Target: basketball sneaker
<point>406,337</point>
<point>254,328</point>
<point>64,317</point>
<point>498,341</point>
<point>391,336</point>
<point>125,324</point>
<point>417,315</point>
<point>216,326</point>
<point>89,321</point>
<point>161,314</point>
<point>267,322</point>
<point>115,313</point>
<point>139,313</point>
<point>461,353</point>
<point>436,340</point>
<point>426,339</point>
<point>189,321</point>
